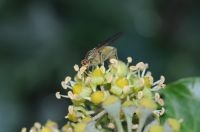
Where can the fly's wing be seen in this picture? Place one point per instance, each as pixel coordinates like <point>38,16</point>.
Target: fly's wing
<point>106,42</point>
<point>109,40</point>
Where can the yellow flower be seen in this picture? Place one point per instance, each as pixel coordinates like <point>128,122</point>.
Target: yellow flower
<point>121,82</point>
<point>148,103</point>
<point>110,100</point>
<point>80,127</point>
<point>81,90</point>
<point>97,76</point>
<point>156,128</point>
<point>119,68</point>
<point>77,88</point>
<point>46,129</point>
<point>175,124</point>
<point>97,97</point>
<point>128,103</point>
<point>51,124</point>
<point>120,85</point>
<point>87,119</point>
<point>148,82</point>
<point>67,128</point>
<point>72,114</point>
<point>72,117</point>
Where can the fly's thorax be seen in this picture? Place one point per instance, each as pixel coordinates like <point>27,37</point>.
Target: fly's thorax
<point>95,60</point>
<point>92,53</point>
<point>108,52</point>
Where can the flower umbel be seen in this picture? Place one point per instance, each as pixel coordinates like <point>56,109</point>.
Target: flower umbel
<point>118,97</point>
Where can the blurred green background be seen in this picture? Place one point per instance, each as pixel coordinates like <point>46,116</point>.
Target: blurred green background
<point>41,40</point>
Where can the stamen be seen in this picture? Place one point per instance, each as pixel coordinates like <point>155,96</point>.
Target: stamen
<point>134,126</point>
<point>99,115</point>
<point>143,72</point>
<point>129,59</point>
<point>58,95</point>
<point>148,74</point>
<point>67,79</point>
<point>71,95</point>
<point>155,88</point>
<point>162,111</point>
<point>162,85</point>
<point>76,67</point>
<point>140,95</point>
<point>111,125</point>
<point>157,96</point>
<point>37,125</point>
<point>103,69</point>
<point>83,69</point>
<point>140,65</point>
<point>71,109</point>
<point>87,98</point>
<point>160,82</point>
<point>133,68</point>
<point>24,129</point>
<point>161,102</point>
<point>159,112</point>
<point>162,79</point>
<point>64,84</point>
<point>113,61</point>
<point>79,75</point>
<point>138,73</point>
<point>90,112</point>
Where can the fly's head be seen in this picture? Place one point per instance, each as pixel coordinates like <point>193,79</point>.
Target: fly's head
<point>85,62</point>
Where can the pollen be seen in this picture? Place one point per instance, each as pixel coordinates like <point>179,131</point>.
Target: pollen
<point>121,82</point>
<point>67,79</point>
<point>76,67</point>
<point>77,88</point>
<point>97,97</point>
<point>58,96</point>
<point>129,59</point>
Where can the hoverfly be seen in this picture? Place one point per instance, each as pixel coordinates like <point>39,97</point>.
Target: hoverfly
<point>101,53</point>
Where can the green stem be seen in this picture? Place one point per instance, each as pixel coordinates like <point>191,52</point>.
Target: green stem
<point>119,125</point>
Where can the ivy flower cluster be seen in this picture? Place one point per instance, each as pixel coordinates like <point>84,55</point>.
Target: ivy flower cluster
<point>119,97</point>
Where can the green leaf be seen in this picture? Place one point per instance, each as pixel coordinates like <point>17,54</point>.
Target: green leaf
<point>182,101</point>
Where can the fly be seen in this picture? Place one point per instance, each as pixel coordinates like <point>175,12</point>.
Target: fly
<point>101,53</point>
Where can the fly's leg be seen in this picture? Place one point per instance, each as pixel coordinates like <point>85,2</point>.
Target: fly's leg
<point>102,56</point>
